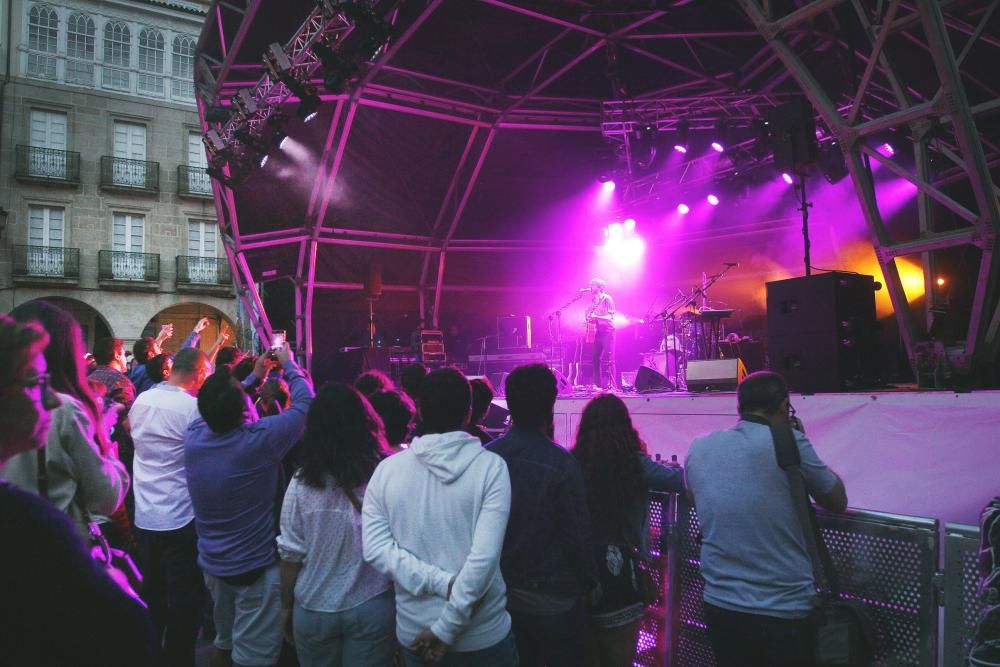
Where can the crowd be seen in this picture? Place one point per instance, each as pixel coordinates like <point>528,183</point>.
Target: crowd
<point>365,524</point>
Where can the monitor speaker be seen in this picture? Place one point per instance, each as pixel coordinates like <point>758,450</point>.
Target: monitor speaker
<point>649,381</point>
<point>715,374</point>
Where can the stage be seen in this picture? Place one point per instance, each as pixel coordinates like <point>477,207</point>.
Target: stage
<point>924,453</point>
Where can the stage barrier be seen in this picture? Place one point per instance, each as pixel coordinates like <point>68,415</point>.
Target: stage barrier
<point>888,561</point>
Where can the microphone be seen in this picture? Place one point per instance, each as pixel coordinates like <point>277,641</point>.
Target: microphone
<point>731,264</point>
<point>584,289</point>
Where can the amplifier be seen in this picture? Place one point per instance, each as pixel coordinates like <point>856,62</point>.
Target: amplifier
<point>715,374</point>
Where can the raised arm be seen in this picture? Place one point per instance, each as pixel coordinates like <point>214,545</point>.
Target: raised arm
<point>288,427</point>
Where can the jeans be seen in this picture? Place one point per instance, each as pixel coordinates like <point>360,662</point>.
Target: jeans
<point>501,654</point>
<point>604,347</point>
<point>364,635</point>
<point>755,640</point>
<point>173,588</point>
<point>554,641</point>
<point>248,617</point>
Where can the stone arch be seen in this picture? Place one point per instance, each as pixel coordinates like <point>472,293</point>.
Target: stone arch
<point>91,320</point>
<point>183,315</point>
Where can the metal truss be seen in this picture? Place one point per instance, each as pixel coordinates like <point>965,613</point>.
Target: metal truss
<point>948,106</point>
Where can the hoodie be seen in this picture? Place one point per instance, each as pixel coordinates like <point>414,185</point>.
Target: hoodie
<point>435,512</point>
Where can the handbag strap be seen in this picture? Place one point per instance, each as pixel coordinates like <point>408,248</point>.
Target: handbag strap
<point>787,454</point>
<point>42,474</point>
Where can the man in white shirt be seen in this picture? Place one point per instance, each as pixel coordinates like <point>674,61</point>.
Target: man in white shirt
<point>434,520</point>
<point>164,518</point>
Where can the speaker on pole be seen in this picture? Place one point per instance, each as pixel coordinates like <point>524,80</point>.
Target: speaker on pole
<point>648,381</point>
<point>373,282</point>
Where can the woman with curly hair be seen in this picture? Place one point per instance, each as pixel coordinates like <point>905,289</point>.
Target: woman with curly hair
<point>619,476</point>
<point>336,609</point>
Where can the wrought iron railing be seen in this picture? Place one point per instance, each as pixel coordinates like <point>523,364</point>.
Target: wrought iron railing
<point>47,163</point>
<point>118,172</point>
<point>203,271</point>
<point>137,266</point>
<point>193,181</point>
<point>46,262</point>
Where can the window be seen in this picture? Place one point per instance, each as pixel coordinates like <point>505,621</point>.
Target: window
<point>45,240</point>
<point>117,55</point>
<point>43,33</point>
<point>127,242</point>
<point>151,51</point>
<point>80,42</point>
<point>202,265</point>
<point>129,150</point>
<point>198,180</point>
<point>47,140</point>
<point>183,67</point>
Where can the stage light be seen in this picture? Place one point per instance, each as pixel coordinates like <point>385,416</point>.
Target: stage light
<point>721,136</point>
<point>683,209</point>
<point>940,282</point>
<point>886,149</point>
<point>608,187</point>
<point>786,177</point>
<point>308,108</point>
<point>681,141</point>
<point>680,148</point>
<point>616,231</point>
<point>713,200</point>
<point>263,160</point>
<point>717,147</point>
<point>629,225</point>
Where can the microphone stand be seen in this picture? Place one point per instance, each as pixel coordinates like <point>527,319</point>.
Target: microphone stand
<point>556,341</point>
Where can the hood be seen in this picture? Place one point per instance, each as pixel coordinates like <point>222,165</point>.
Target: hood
<point>447,455</point>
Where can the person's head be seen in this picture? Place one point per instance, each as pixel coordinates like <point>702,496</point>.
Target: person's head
<point>531,396</point>
<point>145,349</point>
<point>229,356</point>
<point>373,381</point>
<point>190,369</point>
<point>110,352</point>
<point>482,396</point>
<point>597,286</point>
<point>24,392</point>
<point>397,412</point>
<point>445,401</point>
<point>275,397</point>
<point>243,368</point>
<point>763,393</point>
<point>344,438</point>
<point>158,367</point>
<point>222,403</point>
<point>412,378</point>
<point>607,448</point>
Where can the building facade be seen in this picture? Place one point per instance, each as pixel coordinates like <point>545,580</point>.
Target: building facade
<point>109,211</point>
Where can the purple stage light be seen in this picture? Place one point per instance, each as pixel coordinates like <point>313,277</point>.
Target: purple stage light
<point>608,187</point>
<point>264,159</point>
<point>713,200</point>
<point>680,148</point>
<point>616,231</point>
<point>886,149</point>
<point>284,142</point>
<point>630,225</point>
<point>717,147</point>
<point>786,177</point>
<point>683,209</point>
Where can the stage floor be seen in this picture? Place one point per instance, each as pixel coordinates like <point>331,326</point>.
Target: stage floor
<point>925,453</point>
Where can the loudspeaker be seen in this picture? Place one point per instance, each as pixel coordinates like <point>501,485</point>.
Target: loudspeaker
<point>822,332</point>
<point>514,332</point>
<point>373,282</point>
<point>715,374</point>
<point>648,381</point>
<point>793,132</point>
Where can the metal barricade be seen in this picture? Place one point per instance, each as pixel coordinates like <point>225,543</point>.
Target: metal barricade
<point>961,591</point>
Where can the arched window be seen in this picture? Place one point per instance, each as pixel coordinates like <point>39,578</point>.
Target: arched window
<point>151,49</point>
<point>80,50</point>
<point>183,67</point>
<point>43,34</point>
<point>117,55</point>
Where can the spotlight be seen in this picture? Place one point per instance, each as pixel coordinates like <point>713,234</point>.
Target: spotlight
<point>832,163</point>
<point>245,102</point>
<point>940,282</point>
<point>616,230</point>
<point>717,147</point>
<point>217,115</point>
<point>337,71</point>
<point>629,225</point>
<point>213,142</point>
<point>713,200</point>
<point>681,141</point>
<point>683,209</point>
<point>786,177</point>
<point>721,136</point>
<point>608,187</point>
<point>263,160</point>
<point>308,108</point>
<point>886,149</point>
<point>280,68</point>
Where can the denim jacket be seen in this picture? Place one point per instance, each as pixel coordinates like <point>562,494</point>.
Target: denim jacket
<point>548,546</point>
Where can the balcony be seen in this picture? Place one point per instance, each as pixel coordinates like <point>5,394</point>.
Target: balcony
<point>119,173</point>
<point>203,274</point>
<point>128,270</point>
<point>193,182</point>
<point>46,265</point>
<point>46,165</point>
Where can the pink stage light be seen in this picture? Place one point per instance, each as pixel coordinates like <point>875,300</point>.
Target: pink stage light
<point>608,187</point>
<point>717,147</point>
<point>264,159</point>
<point>683,209</point>
<point>886,149</point>
<point>616,231</point>
<point>787,178</point>
<point>680,148</point>
<point>630,225</point>
<point>713,200</point>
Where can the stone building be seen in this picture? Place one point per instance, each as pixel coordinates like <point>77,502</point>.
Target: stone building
<point>107,208</point>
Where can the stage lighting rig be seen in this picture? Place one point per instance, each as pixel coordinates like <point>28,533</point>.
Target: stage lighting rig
<point>681,138</point>
<point>337,70</point>
<point>245,102</point>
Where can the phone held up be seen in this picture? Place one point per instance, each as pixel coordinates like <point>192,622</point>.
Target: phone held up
<point>277,341</point>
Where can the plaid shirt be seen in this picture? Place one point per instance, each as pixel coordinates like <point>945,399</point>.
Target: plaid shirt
<point>120,388</point>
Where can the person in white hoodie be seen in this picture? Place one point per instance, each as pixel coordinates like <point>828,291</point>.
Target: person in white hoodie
<point>433,520</point>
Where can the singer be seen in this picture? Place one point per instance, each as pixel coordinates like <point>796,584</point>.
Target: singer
<point>601,328</point>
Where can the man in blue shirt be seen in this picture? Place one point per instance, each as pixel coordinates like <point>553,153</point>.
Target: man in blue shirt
<point>233,465</point>
<point>758,575</point>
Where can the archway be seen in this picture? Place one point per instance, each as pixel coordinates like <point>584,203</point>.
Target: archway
<point>184,316</point>
<point>93,324</point>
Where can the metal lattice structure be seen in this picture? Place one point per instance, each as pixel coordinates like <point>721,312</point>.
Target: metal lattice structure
<point>731,66</point>
<point>962,603</point>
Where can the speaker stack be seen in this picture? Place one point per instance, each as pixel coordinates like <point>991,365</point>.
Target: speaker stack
<point>822,332</point>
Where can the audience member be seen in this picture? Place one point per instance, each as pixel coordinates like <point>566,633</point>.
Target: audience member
<point>482,398</point>
<point>229,356</point>
<point>273,398</point>
<point>397,412</point>
<point>618,477</point>
<point>344,612</point>
<point>244,369</point>
<point>59,607</point>
<point>411,379</point>
<point>233,464</point>
<point>84,475</point>
<point>109,354</point>
<point>434,520</point>
<point>158,368</point>
<point>547,560</point>
<point>164,517</point>
<point>143,350</point>
<point>759,585</point>
<point>372,382</point>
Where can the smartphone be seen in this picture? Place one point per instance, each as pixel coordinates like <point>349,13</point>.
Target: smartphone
<point>277,339</point>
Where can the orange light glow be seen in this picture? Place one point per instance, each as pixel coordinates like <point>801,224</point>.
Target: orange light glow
<point>940,281</point>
